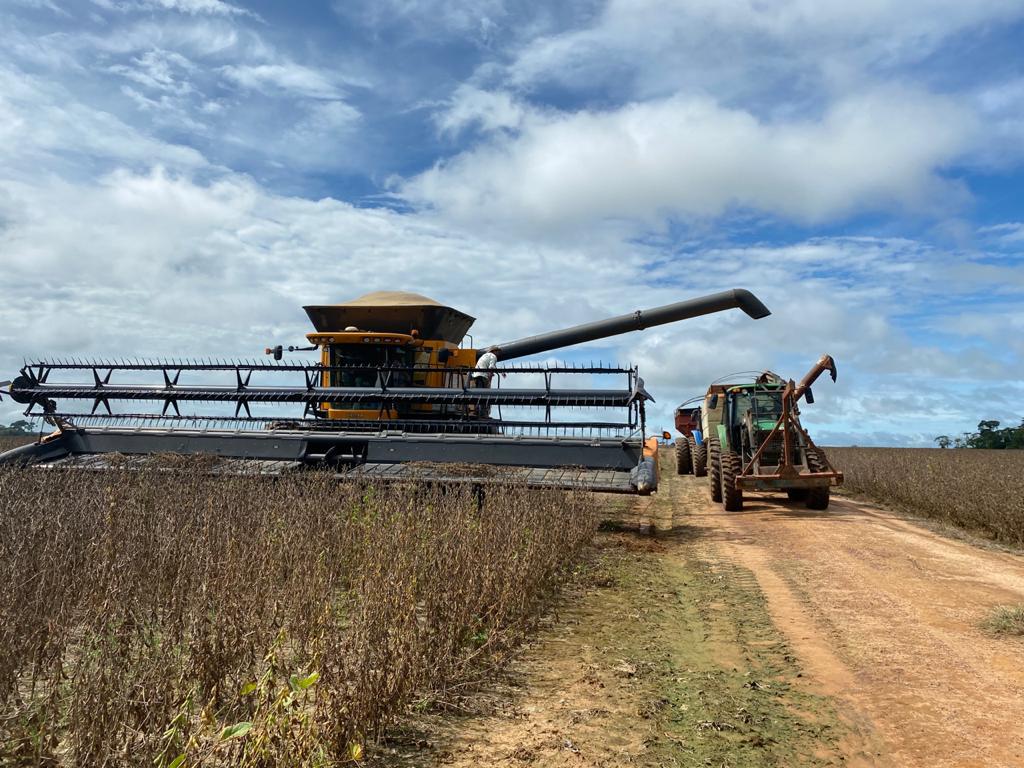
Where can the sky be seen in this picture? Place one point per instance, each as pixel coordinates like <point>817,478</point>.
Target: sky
<point>178,177</point>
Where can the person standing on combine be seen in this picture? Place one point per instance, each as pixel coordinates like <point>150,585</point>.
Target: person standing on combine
<point>484,371</point>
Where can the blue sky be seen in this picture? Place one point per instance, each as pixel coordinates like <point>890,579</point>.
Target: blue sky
<point>178,176</point>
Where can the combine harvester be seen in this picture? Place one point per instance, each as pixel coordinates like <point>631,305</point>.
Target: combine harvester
<point>395,395</point>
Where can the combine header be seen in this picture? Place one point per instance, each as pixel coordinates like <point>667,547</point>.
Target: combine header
<point>394,395</point>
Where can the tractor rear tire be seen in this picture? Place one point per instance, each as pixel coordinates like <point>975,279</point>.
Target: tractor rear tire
<point>714,470</point>
<point>796,494</point>
<point>700,457</point>
<point>817,498</point>
<point>732,495</point>
<point>684,462</point>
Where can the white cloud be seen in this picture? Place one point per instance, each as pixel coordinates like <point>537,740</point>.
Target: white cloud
<point>217,7</point>
<point>190,7</point>
<point>195,38</point>
<point>475,19</point>
<point>326,121</point>
<point>287,76</point>
<point>1009,233</point>
<point>490,110</point>
<point>1001,106</point>
<point>739,46</point>
<point>213,83</point>
<point>160,70</point>
<point>42,123</point>
<point>692,157</point>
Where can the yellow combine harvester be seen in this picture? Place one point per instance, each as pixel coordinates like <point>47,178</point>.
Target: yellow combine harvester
<point>396,387</point>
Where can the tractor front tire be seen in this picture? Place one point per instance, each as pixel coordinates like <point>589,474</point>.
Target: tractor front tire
<point>818,497</point>
<point>700,457</point>
<point>732,495</point>
<point>684,462</point>
<point>714,468</point>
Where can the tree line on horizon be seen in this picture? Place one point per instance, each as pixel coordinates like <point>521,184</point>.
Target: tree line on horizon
<point>989,435</point>
<point>17,429</point>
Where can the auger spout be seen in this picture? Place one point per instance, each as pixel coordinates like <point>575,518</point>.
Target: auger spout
<point>738,298</point>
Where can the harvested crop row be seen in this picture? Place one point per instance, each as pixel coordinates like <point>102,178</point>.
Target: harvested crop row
<point>146,615</point>
<point>980,490</point>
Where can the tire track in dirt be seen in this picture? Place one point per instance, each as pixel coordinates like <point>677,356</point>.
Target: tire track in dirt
<point>885,615</point>
<point>665,655</point>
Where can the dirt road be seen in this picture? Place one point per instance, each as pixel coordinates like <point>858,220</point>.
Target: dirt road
<point>774,636</point>
<point>885,615</point>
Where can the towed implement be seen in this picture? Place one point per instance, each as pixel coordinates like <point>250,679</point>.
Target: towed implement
<point>755,441</point>
<point>691,450</point>
<point>395,395</point>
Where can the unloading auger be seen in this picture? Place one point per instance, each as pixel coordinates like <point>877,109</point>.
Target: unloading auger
<point>394,395</point>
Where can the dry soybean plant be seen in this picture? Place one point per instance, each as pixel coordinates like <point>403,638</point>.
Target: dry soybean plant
<point>171,617</point>
<point>981,490</point>
<point>7,442</point>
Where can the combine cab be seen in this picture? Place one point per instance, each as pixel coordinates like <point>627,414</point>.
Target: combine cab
<point>755,441</point>
<point>395,394</point>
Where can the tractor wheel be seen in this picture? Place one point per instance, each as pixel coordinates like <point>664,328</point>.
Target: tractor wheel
<point>732,495</point>
<point>714,468</point>
<point>817,498</point>
<point>683,461</point>
<point>700,457</point>
<point>796,494</point>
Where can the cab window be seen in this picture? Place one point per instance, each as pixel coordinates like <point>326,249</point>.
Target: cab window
<point>372,357</point>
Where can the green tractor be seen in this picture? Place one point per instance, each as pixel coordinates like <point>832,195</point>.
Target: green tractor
<point>755,441</point>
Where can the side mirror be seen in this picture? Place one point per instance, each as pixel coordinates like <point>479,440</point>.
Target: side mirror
<point>277,352</point>
<point>666,435</point>
<point>714,401</point>
<point>809,396</point>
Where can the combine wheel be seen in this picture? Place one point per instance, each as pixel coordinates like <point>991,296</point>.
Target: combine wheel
<point>700,457</point>
<point>684,462</point>
<point>817,498</point>
<point>714,468</point>
<point>732,496</point>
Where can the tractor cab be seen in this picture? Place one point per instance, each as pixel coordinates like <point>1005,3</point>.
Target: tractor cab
<point>751,413</point>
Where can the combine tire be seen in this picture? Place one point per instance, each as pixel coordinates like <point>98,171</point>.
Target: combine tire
<point>683,460</point>
<point>796,494</point>
<point>700,457</point>
<point>714,468</point>
<point>732,496</point>
<point>817,498</point>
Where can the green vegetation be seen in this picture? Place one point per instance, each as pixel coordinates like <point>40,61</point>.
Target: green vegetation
<point>17,429</point>
<point>988,436</point>
<point>171,617</point>
<point>723,686</point>
<point>1006,620</point>
<point>980,490</point>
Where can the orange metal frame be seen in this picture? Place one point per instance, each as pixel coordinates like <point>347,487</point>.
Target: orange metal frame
<point>787,470</point>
